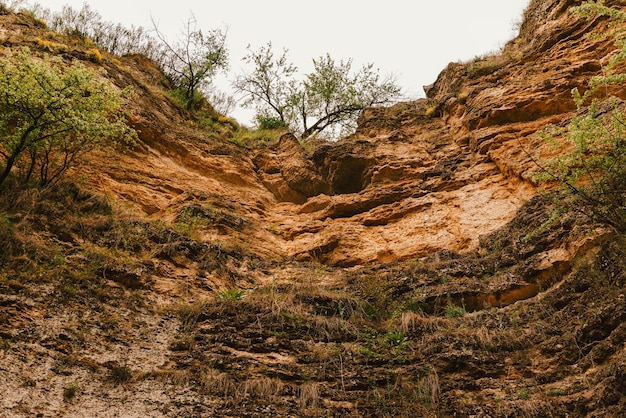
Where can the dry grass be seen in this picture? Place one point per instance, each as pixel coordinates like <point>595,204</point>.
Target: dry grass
<point>309,396</point>
<point>219,384</point>
<point>263,388</point>
<point>413,323</point>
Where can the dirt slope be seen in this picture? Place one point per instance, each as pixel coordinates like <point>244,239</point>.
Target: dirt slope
<point>404,271</point>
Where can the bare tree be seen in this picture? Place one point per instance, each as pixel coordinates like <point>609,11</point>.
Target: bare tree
<point>271,86</point>
<point>194,59</point>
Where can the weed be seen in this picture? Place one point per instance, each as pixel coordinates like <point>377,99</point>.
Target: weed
<point>188,314</point>
<point>53,47</point>
<point>523,394</point>
<point>5,344</point>
<point>428,388</point>
<point>309,396</point>
<point>454,311</point>
<point>274,230</point>
<point>232,294</point>
<point>70,391</point>
<point>557,392</point>
<point>120,374</point>
<point>94,55</point>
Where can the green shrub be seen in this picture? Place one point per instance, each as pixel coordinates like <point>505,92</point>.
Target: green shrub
<point>590,167</point>
<point>270,122</point>
<point>51,113</point>
<point>454,311</point>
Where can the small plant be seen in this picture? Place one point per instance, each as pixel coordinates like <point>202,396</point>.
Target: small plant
<point>70,391</point>
<point>190,219</point>
<point>483,66</point>
<point>523,394</point>
<point>52,47</point>
<point>94,55</point>
<point>120,374</point>
<point>273,229</point>
<point>430,111</point>
<point>232,294</point>
<point>396,338</point>
<point>557,392</point>
<point>454,311</point>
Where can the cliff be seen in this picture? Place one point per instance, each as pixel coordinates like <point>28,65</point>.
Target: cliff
<point>407,270</point>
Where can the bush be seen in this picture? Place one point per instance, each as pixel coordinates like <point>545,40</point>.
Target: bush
<point>94,55</point>
<point>51,113</point>
<point>270,122</point>
<point>591,171</point>
<point>591,166</point>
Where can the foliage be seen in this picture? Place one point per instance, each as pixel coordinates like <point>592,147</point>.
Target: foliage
<point>193,60</point>
<point>332,96</point>
<point>270,86</point>
<point>454,311</point>
<point>113,38</point>
<point>52,112</point>
<point>232,294</point>
<point>270,122</point>
<point>591,169</point>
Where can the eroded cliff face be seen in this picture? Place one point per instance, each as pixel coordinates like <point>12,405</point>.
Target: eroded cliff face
<point>406,184</point>
<point>408,270</point>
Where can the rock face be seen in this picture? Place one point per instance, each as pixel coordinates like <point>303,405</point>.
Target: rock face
<point>409,270</point>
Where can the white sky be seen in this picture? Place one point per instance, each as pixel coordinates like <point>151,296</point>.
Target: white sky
<point>414,40</point>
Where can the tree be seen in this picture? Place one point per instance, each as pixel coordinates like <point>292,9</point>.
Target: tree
<point>271,86</point>
<point>329,97</point>
<point>193,60</point>
<point>52,112</point>
<point>591,167</point>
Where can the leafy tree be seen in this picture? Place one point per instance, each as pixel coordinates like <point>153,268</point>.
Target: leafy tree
<point>331,96</point>
<point>591,167</point>
<point>193,60</point>
<point>52,112</point>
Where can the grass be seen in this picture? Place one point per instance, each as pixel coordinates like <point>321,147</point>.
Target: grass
<point>188,314</point>
<point>454,311</point>
<point>119,374</point>
<point>246,138</point>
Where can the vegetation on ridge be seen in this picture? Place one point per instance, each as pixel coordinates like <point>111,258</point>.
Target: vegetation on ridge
<point>331,96</point>
<point>590,166</point>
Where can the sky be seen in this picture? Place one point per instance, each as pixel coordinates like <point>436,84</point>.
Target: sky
<point>411,40</point>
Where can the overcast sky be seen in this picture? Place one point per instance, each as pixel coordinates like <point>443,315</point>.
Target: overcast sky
<point>412,40</point>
